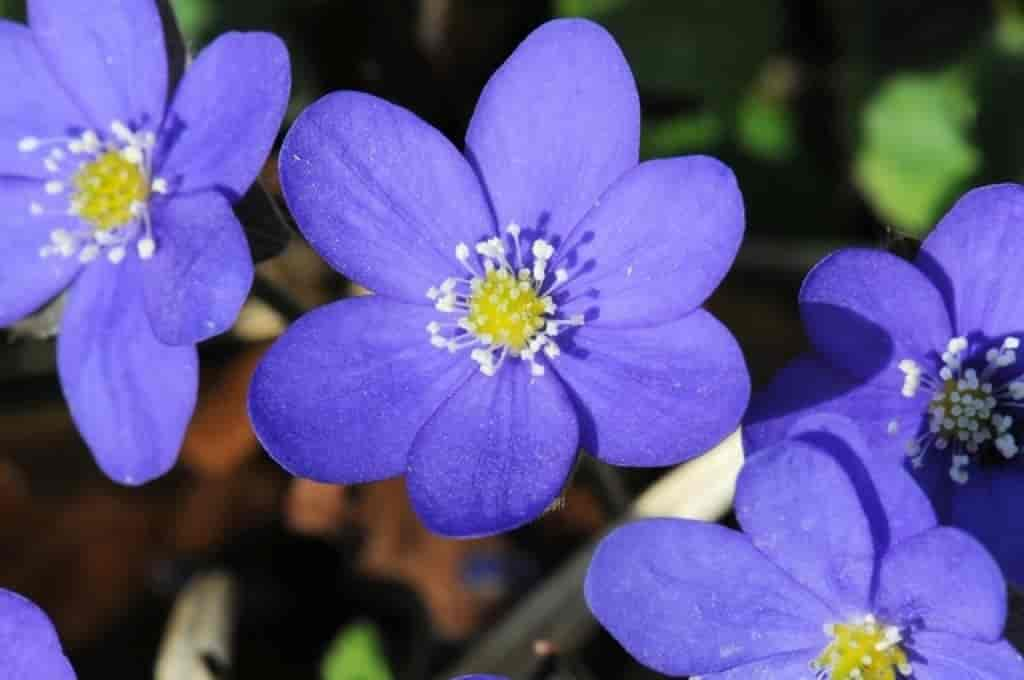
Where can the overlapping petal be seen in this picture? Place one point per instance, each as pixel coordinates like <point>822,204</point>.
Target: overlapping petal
<point>974,255</point>
<point>27,280</point>
<point>687,382</point>
<point>689,598</point>
<point>341,395</point>
<point>556,125</point>
<point>944,581</point>
<point>381,195</point>
<point>108,54</point>
<point>225,114</point>
<point>894,503</point>
<point>130,395</point>
<point>866,310</point>
<point>34,104</point>
<point>29,647</point>
<point>201,272</point>
<point>658,243</point>
<point>810,384</point>
<point>495,455</point>
<point>801,508</point>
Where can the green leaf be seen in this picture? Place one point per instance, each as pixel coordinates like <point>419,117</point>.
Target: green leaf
<point>356,654</point>
<point>914,155</point>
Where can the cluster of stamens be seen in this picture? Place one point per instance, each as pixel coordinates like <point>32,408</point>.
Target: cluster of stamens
<point>107,187</point>
<point>505,306</point>
<point>862,649</point>
<point>967,410</point>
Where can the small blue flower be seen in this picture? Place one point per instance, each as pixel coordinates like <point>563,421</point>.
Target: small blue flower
<point>539,293</point>
<point>124,201</point>
<point>841,574</point>
<point>924,355</point>
<point>29,647</point>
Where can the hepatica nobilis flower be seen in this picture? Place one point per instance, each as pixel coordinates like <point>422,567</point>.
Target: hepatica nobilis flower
<point>29,647</point>
<point>840,574</point>
<point>539,292</point>
<point>925,354</point>
<point>124,201</point>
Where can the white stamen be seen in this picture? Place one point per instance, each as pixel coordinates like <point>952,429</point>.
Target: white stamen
<point>146,248</point>
<point>28,144</point>
<point>116,254</point>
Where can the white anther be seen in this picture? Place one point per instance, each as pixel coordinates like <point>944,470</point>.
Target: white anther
<point>536,370</point>
<point>122,132</point>
<point>89,253</point>
<point>146,247</point>
<point>513,229</point>
<point>53,187</point>
<point>159,185</point>
<point>438,342</point>
<point>433,328</point>
<point>462,252</point>
<point>132,154</point>
<point>433,293</point>
<point>542,250</point>
<point>116,254</point>
<point>893,427</point>
<point>35,209</point>
<point>28,144</point>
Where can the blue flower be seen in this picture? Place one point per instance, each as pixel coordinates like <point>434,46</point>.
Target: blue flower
<point>124,201</point>
<point>841,574</point>
<point>924,355</point>
<point>29,647</point>
<point>539,293</point>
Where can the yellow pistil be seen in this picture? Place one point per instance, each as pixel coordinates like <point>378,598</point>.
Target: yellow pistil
<point>506,309</point>
<point>107,189</point>
<point>863,650</point>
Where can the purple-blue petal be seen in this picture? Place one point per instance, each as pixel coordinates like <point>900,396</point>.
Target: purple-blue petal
<point>556,125</point>
<point>944,581</point>
<point>341,395</point>
<point>655,247</point>
<point>789,666</point>
<point>33,105</point>
<point>495,455</point>
<point>988,507</point>
<point>800,507</point>
<point>688,598</point>
<point>940,656</point>
<point>225,115</point>
<point>973,255</point>
<point>381,195</point>
<point>108,54</point>
<point>29,646</point>
<point>896,506</point>
<point>866,310</point>
<point>201,273</point>
<point>130,395</point>
<point>27,280</point>
<point>687,384</point>
<point>810,384</point>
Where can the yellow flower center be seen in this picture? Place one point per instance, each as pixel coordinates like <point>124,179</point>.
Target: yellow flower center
<point>863,650</point>
<point>507,309</point>
<point>108,189</point>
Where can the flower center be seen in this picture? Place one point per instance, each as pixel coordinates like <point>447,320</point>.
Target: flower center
<point>108,188</point>
<point>862,650</point>
<point>967,411</point>
<point>505,306</point>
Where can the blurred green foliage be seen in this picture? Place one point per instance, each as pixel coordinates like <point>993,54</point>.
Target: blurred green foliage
<point>915,154</point>
<point>356,654</point>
